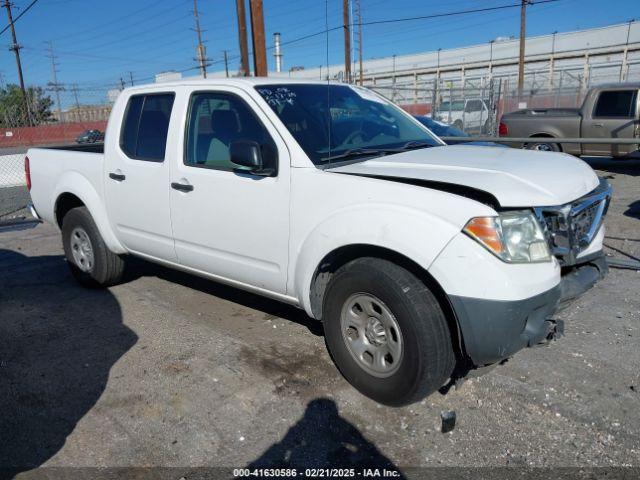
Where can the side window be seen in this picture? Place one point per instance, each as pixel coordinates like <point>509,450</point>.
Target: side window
<point>145,126</point>
<point>216,120</point>
<point>474,106</point>
<point>616,104</point>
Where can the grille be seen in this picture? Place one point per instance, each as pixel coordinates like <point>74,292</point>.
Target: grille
<point>583,221</point>
<point>570,228</point>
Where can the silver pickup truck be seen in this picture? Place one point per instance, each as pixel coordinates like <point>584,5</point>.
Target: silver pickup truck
<point>608,111</point>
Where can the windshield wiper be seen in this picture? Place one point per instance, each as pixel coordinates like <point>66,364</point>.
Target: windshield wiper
<point>360,152</point>
<point>413,144</point>
<point>354,153</point>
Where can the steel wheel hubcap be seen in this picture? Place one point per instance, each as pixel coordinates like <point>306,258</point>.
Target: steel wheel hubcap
<point>81,249</point>
<point>371,334</point>
<point>544,147</point>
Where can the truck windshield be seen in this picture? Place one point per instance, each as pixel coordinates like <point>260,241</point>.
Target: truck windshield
<point>344,123</point>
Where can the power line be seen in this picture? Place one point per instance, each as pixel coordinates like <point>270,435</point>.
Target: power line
<point>418,17</point>
<point>11,22</point>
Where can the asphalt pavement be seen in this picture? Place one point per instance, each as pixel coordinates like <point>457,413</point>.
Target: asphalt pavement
<point>169,370</point>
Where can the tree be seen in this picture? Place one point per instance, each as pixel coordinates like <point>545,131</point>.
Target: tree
<point>12,107</point>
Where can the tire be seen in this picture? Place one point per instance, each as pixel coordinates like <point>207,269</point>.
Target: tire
<point>95,266</point>
<point>422,346</point>
<point>543,146</point>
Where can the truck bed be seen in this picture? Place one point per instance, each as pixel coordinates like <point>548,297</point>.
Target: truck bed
<point>80,147</point>
<point>547,112</point>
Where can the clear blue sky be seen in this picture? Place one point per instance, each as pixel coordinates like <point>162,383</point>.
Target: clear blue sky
<point>97,42</point>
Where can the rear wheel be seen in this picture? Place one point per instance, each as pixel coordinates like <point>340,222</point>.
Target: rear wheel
<point>386,332</point>
<point>88,257</point>
<point>543,146</point>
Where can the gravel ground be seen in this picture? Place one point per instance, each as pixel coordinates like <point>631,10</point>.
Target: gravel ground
<point>172,370</point>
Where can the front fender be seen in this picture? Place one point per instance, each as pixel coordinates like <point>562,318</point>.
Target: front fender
<point>410,232</point>
<point>78,185</point>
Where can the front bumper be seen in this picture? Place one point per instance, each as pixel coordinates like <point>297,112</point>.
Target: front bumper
<point>493,330</point>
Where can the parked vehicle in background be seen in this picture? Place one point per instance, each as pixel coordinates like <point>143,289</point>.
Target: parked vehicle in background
<point>329,197</point>
<point>608,111</point>
<point>470,115</point>
<point>90,136</point>
<point>441,129</point>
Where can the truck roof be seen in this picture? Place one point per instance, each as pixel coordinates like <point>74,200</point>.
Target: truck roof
<point>236,81</point>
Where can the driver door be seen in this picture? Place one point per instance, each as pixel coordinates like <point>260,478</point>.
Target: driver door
<point>228,223</point>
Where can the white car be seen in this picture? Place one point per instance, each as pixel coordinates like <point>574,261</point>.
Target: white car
<point>422,262</point>
<point>470,115</point>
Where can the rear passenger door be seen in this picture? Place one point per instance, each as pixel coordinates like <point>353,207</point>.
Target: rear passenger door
<point>228,223</point>
<point>137,177</point>
<point>614,115</point>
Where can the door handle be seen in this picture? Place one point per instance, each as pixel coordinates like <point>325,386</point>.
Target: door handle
<point>598,125</point>
<point>182,187</point>
<point>118,177</point>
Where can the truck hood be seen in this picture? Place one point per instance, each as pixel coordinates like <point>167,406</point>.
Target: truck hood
<point>516,178</point>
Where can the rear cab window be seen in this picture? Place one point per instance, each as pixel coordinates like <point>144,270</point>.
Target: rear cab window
<point>145,126</point>
<point>616,104</point>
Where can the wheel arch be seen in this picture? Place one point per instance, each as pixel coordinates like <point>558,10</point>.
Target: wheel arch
<point>545,135</point>
<point>74,190</point>
<point>347,253</point>
<point>65,202</point>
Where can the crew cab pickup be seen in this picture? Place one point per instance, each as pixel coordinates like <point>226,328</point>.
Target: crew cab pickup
<point>421,260</point>
<point>608,111</point>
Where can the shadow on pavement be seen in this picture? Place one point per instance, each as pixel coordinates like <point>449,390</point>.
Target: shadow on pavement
<point>323,439</point>
<point>633,210</point>
<point>626,166</point>
<point>58,342</point>
<point>139,268</point>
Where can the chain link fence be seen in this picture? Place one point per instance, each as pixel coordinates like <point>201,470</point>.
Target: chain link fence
<point>48,117</point>
<point>474,99</point>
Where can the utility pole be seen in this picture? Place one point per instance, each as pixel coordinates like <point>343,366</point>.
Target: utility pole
<point>201,51</point>
<point>257,35</point>
<point>242,37</point>
<point>359,20</point>
<point>131,78</point>
<point>15,47</point>
<point>523,23</point>
<point>226,63</point>
<point>347,40</point>
<point>54,85</point>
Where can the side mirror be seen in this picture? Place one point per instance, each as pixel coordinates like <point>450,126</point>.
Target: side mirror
<point>248,154</point>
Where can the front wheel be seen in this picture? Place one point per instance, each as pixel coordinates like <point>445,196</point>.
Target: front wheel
<point>88,257</point>
<point>386,332</point>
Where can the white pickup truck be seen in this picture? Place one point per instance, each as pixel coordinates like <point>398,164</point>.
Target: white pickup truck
<point>423,261</point>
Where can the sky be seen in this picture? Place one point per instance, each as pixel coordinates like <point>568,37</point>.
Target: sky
<point>98,42</point>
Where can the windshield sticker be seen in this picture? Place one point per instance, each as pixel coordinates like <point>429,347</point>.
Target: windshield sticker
<point>366,94</point>
<point>277,97</point>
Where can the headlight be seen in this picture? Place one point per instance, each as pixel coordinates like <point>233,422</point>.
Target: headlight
<point>515,237</point>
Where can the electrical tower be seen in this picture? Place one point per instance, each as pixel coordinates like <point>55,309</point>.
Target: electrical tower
<point>54,86</point>
<point>15,48</point>
<point>74,89</point>
<point>201,51</point>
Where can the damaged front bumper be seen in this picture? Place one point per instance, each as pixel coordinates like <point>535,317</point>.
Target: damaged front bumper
<point>493,330</point>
